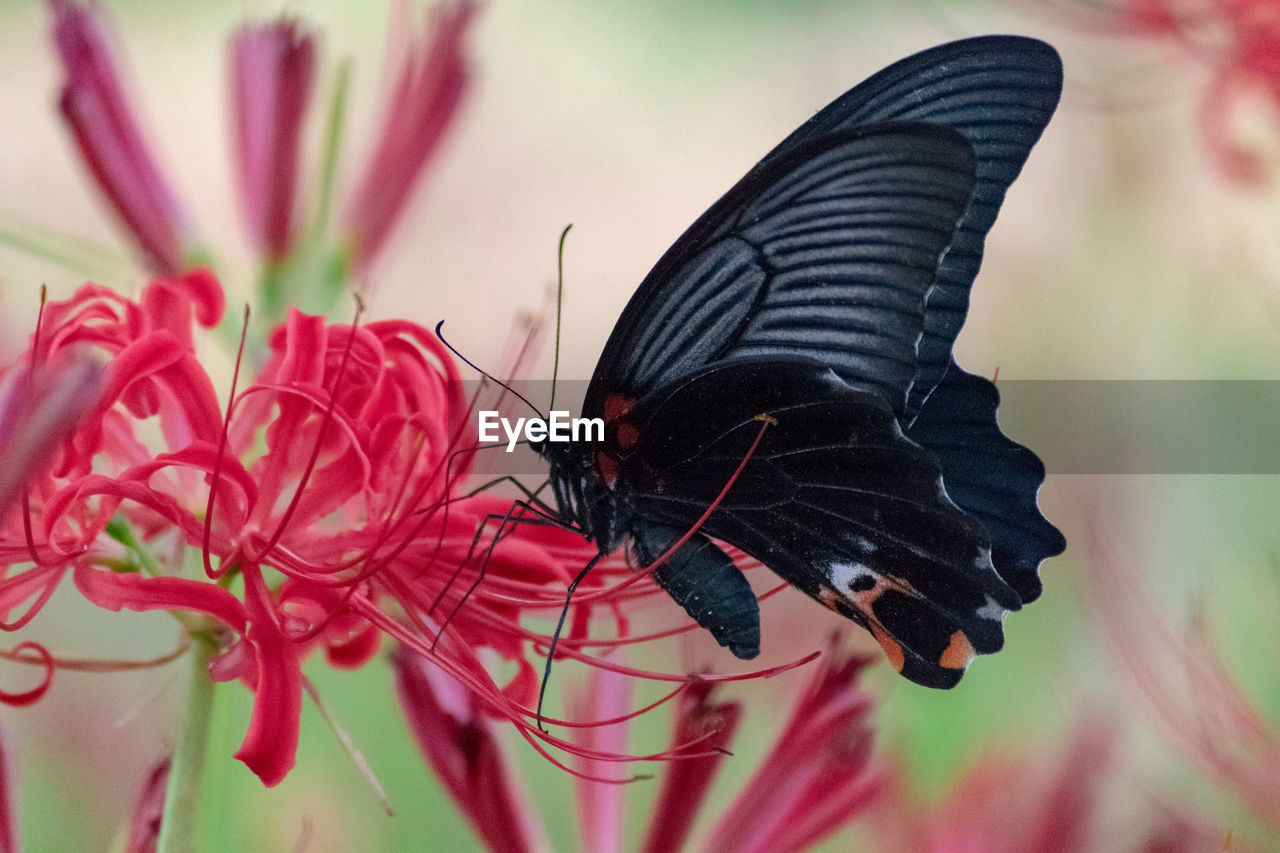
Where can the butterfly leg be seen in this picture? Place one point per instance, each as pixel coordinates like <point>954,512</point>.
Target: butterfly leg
<point>555,637</point>
<point>506,521</point>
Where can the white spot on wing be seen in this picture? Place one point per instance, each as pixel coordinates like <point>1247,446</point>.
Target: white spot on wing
<point>992,611</point>
<point>844,575</point>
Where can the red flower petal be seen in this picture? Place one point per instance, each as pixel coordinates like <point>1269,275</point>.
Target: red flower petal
<point>270,747</point>
<point>132,591</point>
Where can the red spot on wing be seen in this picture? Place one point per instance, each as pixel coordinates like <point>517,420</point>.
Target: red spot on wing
<point>628,434</point>
<point>608,466</point>
<point>617,405</point>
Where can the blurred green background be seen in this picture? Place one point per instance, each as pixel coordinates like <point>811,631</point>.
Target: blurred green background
<point>1120,253</point>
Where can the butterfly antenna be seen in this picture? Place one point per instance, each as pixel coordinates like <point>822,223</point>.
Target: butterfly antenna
<point>555,363</point>
<point>486,374</point>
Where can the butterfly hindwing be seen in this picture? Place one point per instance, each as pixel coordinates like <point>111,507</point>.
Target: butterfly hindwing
<point>989,476</point>
<point>834,499</point>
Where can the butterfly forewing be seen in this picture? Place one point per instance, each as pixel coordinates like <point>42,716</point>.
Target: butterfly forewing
<point>999,92</point>
<point>829,253</point>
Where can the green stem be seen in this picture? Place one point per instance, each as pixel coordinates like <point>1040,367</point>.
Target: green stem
<point>186,771</point>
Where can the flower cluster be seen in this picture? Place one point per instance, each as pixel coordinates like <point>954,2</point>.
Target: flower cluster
<point>273,73</point>
<point>816,779</point>
<point>1239,41</point>
<point>319,505</point>
<point>323,490</point>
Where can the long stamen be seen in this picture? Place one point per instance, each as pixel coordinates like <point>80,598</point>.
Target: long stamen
<point>216,476</point>
<point>94,664</point>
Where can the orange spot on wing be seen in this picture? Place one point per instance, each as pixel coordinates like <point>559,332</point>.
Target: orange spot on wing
<point>958,654</point>
<point>891,647</point>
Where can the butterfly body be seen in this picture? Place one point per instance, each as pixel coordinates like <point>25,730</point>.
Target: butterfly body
<point>794,346</point>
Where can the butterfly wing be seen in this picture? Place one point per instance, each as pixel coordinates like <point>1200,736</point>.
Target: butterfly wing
<point>834,499</point>
<point>828,253</point>
<point>825,291</point>
<point>989,476</point>
<point>998,92</point>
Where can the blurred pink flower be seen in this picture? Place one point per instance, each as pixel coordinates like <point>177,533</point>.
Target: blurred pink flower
<point>816,778</point>
<point>1050,798</point>
<point>605,696</point>
<point>814,781</point>
<point>8,823</point>
<point>272,76</point>
<point>459,742</point>
<point>40,407</point>
<point>1185,687</point>
<point>144,826</point>
<point>1239,40</point>
<point>709,727</point>
<point>273,69</point>
<point>1045,801</point>
<point>427,89</point>
<point>109,140</point>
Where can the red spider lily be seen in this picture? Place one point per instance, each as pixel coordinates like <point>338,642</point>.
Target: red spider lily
<point>106,133</point>
<point>1240,41</point>
<point>815,779</point>
<point>1186,688</point>
<point>458,740</point>
<point>710,728</point>
<point>331,491</point>
<point>425,94</point>
<point>272,69</point>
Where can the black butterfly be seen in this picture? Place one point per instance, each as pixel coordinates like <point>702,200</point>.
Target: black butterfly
<point>822,295</point>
